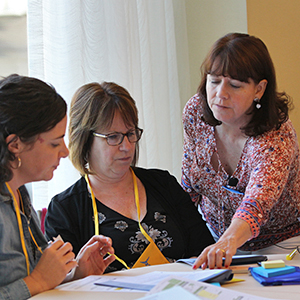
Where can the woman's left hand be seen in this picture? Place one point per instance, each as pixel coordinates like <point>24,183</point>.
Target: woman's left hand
<point>91,259</point>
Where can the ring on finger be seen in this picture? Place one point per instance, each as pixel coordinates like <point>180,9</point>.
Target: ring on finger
<point>223,252</point>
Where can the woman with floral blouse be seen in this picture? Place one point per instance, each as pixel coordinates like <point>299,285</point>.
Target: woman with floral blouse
<point>241,155</point>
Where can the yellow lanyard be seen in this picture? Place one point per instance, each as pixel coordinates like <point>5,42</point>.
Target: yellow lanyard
<point>21,227</point>
<point>137,202</point>
<point>96,221</point>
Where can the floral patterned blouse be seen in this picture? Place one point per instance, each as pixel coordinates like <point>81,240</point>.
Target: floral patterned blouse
<point>266,193</point>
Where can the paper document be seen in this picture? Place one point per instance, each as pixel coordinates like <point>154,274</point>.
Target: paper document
<point>202,290</point>
<point>147,281</point>
<point>87,285</point>
<point>174,293</point>
<point>140,283</point>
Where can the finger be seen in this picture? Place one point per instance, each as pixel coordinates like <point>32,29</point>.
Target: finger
<point>199,261</point>
<point>211,259</point>
<point>55,245</point>
<point>220,253</point>
<point>108,260</point>
<point>71,265</point>
<point>65,248</point>
<point>103,240</point>
<point>107,249</point>
<point>228,260</point>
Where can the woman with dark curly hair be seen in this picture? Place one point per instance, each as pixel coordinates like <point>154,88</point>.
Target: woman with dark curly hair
<point>32,128</point>
<point>241,155</point>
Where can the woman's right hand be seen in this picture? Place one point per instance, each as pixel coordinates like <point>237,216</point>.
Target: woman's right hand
<point>55,263</point>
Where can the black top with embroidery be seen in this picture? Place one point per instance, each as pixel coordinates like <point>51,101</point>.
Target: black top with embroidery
<point>172,220</point>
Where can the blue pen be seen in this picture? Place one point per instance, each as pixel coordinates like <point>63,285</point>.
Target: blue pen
<point>232,190</point>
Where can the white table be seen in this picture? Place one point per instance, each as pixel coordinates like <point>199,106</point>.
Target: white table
<point>249,286</point>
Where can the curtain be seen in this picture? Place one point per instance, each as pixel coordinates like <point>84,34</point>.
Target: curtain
<point>13,7</point>
<point>130,42</point>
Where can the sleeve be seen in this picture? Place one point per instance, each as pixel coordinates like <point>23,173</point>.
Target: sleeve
<point>15,290</point>
<point>60,221</point>
<point>271,158</point>
<point>189,121</point>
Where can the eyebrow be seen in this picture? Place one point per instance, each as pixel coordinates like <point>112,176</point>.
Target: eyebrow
<point>59,137</point>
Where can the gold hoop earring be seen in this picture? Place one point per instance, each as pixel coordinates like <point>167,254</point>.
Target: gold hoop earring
<point>19,163</point>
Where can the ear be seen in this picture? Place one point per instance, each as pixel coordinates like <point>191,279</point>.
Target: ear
<point>260,88</point>
<point>14,144</point>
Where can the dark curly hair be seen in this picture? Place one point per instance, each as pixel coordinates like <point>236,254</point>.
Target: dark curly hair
<point>242,57</point>
<point>28,107</point>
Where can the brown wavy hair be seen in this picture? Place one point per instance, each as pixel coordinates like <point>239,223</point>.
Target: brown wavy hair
<point>92,108</point>
<point>241,57</point>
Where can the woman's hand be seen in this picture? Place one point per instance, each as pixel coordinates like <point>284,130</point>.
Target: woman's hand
<point>91,259</point>
<point>55,263</point>
<point>212,256</point>
<point>234,237</point>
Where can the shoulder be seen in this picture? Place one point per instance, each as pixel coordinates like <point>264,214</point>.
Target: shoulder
<point>285,136</point>
<point>75,190</point>
<point>193,106</point>
<point>152,174</point>
<point>275,143</point>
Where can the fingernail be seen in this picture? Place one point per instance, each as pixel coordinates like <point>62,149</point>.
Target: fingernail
<point>194,267</point>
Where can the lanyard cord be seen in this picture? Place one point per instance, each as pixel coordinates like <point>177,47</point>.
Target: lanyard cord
<point>137,202</point>
<point>96,221</point>
<point>20,227</point>
<point>36,244</point>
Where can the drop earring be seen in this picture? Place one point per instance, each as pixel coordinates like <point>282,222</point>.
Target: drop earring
<point>257,101</point>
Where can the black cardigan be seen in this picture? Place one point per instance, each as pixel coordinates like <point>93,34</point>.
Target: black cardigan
<point>70,212</point>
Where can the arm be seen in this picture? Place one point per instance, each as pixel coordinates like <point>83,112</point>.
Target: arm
<point>270,161</point>
<point>55,263</point>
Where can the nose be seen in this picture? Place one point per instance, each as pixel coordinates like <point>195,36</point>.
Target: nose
<point>65,151</point>
<point>125,145</point>
<point>222,91</point>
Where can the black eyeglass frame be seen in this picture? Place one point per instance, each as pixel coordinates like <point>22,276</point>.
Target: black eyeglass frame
<point>106,136</point>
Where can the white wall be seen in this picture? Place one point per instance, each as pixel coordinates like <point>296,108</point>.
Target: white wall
<point>208,20</point>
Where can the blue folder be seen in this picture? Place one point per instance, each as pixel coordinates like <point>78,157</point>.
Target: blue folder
<point>287,279</point>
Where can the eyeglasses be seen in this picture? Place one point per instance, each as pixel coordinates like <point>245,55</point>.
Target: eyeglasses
<point>116,138</point>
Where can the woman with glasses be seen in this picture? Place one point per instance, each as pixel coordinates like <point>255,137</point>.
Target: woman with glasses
<point>129,204</point>
<point>241,156</point>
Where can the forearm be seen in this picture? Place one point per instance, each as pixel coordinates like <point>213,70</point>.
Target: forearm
<point>238,233</point>
<point>34,286</point>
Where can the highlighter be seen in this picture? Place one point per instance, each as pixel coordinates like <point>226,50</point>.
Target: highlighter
<point>292,254</point>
